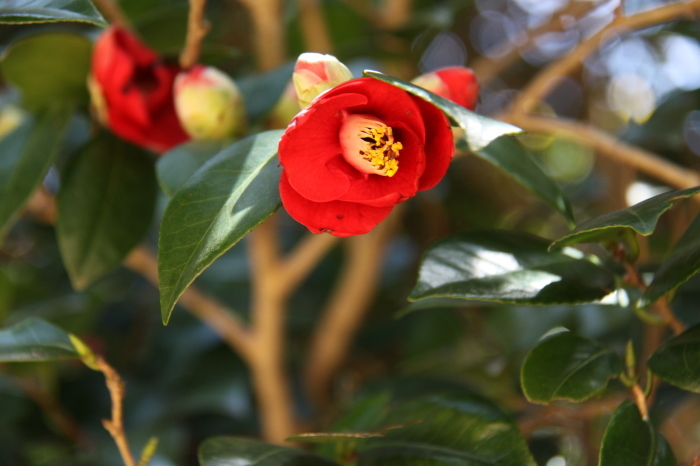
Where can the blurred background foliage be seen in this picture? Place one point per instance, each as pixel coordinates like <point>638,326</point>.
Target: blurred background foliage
<point>184,385</point>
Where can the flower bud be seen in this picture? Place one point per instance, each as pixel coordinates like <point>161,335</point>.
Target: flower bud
<point>208,103</point>
<point>315,73</point>
<point>11,117</point>
<point>457,84</point>
<point>285,109</point>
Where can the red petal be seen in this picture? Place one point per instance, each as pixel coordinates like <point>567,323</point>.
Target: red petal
<point>310,145</point>
<point>338,218</point>
<point>439,144</point>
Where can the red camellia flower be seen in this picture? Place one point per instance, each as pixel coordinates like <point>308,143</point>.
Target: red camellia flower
<point>132,91</point>
<point>358,150</point>
<point>456,83</point>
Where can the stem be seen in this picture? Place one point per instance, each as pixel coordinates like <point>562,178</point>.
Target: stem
<point>313,26</point>
<point>669,317</point>
<point>115,426</point>
<point>268,32</point>
<point>113,13</point>
<point>641,401</point>
<point>304,258</point>
<point>197,28</point>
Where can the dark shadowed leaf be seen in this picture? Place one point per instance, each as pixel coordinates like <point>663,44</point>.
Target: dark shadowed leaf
<point>631,441</point>
<point>25,156</point>
<point>48,11</point>
<point>105,206</point>
<point>35,339</point>
<point>683,263</point>
<point>177,165</point>
<point>447,429</point>
<point>263,91</point>
<point>509,267</point>
<point>564,366</point>
<point>480,131</point>
<point>678,360</point>
<point>49,67</point>
<point>232,451</point>
<point>226,198</point>
<point>640,218</point>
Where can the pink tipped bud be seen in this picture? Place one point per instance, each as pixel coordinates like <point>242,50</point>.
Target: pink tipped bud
<point>457,84</point>
<point>208,103</point>
<point>315,73</point>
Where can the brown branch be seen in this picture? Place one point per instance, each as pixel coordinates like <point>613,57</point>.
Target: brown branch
<point>113,13</point>
<point>394,14</point>
<point>670,319</point>
<point>547,79</point>
<point>640,401</point>
<point>313,26</point>
<point>115,426</point>
<point>567,413</point>
<point>197,29</point>
<point>268,32</point>
<point>346,307</point>
<point>306,255</point>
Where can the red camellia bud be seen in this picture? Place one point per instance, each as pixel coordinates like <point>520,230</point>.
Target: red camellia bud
<point>315,73</point>
<point>132,91</point>
<point>357,151</point>
<point>457,84</point>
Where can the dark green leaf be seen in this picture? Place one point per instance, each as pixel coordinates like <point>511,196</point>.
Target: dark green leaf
<point>447,429</point>
<point>49,67</point>
<point>47,11</point>
<point>567,367</point>
<point>509,155</point>
<point>232,451</point>
<point>177,165</point>
<point>683,263</point>
<point>640,218</point>
<point>480,131</point>
<point>35,339</point>
<point>25,156</point>
<point>105,206</point>
<point>509,267</point>
<point>332,437</point>
<point>226,198</point>
<point>262,92</point>
<point>678,360</point>
<point>631,441</point>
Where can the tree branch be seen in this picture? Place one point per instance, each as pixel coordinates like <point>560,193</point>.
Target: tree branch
<point>313,26</point>
<point>268,32</point>
<point>115,426</point>
<point>197,28</point>
<point>306,255</point>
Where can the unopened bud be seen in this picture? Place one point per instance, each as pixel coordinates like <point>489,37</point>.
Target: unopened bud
<point>457,84</point>
<point>285,109</point>
<point>208,104</point>
<point>315,73</point>
<point>11,117</point>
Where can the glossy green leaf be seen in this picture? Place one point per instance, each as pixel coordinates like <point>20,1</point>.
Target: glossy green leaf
<point>631,441</point>
<point>232,451</point>
<point>226,198</point>
<point>447,429</point>
<point>177,165</point>
<point>49,67</point>
<point>640,218</point>
<point>678,360</point>
<point>25,156</point>
<point>35,339</point>
<point>105,206</point>
<point>509,267</point>
<point>332,437</point>
<point>48,11</point>
<point>480,131</point>
<point>683,263</point>
<point>564,366</point>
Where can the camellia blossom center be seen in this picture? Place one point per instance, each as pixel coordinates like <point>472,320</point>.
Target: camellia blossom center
<point>369,145</point>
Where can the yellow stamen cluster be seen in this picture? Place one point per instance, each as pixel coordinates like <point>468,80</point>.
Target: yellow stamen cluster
<point>380,148</point>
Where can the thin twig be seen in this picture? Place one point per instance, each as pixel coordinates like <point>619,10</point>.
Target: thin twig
<point>268,32</point>
<point>547,79</point>
<point>197,29</point>
<point>313,26</point>
<point>115,426</point>
<point>641,401</point>
<point>305,256</point>
<point>664,309</point>
<point>113,13</point>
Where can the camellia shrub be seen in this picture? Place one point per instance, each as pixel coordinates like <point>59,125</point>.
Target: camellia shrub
<point>267,232</point>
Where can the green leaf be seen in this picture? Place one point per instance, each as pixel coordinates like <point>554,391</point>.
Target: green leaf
<point>564,366</point>
<point>263,91</point>
<point>35,339</point>
<point>177,165</point>
<point>509,267</point>
<point>631,441</point>
<point>640,218</point>
<point>25,156</point>
<point>512,158</point>
<point>105,206</point>
<point>678,360</point>
<point>683,263</point>
<point>48,11</point>
<point>226,198</point>
<point>230,451</point>
<point>332,437</point>
<point>447,429</point>
<point>480,131</point>
<point>49,67</point>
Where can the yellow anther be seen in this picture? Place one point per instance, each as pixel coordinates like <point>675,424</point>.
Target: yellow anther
<point>369,145</point>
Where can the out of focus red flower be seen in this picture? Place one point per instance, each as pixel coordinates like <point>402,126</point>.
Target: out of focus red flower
<point>357,151</point>
<point>457,84</point>
<point>132,91</point>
